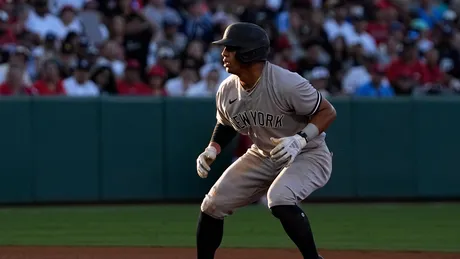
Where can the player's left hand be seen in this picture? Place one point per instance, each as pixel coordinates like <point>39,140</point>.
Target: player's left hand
<point>287,148</point>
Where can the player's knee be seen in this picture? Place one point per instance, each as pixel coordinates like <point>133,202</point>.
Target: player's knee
<point>281,195</point>
<point>213,207</point>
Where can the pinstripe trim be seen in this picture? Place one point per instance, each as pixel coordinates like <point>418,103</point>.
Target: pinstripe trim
<point>318,103</point>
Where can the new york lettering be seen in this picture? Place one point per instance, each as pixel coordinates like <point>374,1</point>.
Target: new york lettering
<point>257,119</point>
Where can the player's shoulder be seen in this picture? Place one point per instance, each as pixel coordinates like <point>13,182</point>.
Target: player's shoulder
<point>229,83</point>
<point>284,78</point>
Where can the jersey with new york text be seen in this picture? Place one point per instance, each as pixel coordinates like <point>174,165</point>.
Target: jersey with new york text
<point>280,105</point>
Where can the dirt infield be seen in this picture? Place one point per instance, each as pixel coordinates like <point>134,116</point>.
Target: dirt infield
<point>188,253</point>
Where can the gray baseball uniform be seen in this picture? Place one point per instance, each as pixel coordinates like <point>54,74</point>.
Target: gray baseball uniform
<point>278,106</point>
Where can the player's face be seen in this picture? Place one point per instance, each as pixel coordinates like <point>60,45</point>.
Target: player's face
<point>231,65</point>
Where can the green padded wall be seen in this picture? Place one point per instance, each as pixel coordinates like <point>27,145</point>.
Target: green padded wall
<point>132,149</point>
<point>57,149</point>
<point>437,138</point>
<point>65,148</point>
<point>383,151</point>
<point>16,174</point>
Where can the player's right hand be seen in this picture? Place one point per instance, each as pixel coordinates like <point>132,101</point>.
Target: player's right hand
<point>204,161</point>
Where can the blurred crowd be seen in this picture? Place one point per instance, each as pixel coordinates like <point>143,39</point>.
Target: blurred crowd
<point>374,48</point>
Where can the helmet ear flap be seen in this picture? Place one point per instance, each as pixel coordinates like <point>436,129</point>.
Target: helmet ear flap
<point>259,54</point>
<point>245,57</point>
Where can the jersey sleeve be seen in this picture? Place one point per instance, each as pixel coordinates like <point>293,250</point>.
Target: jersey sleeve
<point>303,98</point>
<point>220,114</point>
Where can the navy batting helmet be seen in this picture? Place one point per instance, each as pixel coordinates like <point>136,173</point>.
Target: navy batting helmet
<point>250,41</point>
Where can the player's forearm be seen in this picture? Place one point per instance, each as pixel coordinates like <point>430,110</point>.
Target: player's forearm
<point>321,120</point>
<point>222,136</point>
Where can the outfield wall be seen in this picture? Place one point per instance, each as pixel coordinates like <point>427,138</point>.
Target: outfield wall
<point>127,148</point>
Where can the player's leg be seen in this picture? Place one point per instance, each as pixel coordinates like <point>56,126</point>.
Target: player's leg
<point>309,171</point>
<point>241,184</point>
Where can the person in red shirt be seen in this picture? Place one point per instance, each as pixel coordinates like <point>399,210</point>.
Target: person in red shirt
<point>434,73</point>
<point>379,28</point>
<point>283,56</point>
<point>131,83</point>
<point>408,64</point>
<point>14,83</point>
<point>7,34</point>
<point>50,82</point>
<point>157,77</point>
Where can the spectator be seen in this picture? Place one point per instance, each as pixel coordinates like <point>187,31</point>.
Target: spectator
<point>195,51</point>
<point>357,76</point>
<point>179,85</point>
<point>341,62</point>
<point>407,64</point>
<point>283,56</point>
<point>421,34</point>
<point>434,75</point>
<point>449,55</point>
<point>157,78</point>
<point>159,14</point>
<point>376,87</point>
<point>337,35</point>
<point>70,20</point>
<point>338,25</point>
<point>79,85</point>
<point>197,21</point>
<point>82,47</point>
<point>137,34</point>
<point>19,57</point>
<point>117,29</point>
<point>169,60</point>
<point>67,59</point>
<point>378,28</point>
<point>92,54</point>
<point>104,78</point>
<point>429,12</point>
<point>397,30</point>
<point>170,36</point>
<point>48,50</point>
<point>74,39</point>
<point>389,51</point>
<point>293,33</point>
<point>314,57</point>
<point>112,55</point>
<point>256,12</point>
<point>50,82</point>
<point>56,6</point>
<point>14,83</point>
<point>319,79</point>
<point>41,22</point>
<point>209,83</point>
<point>131,84</point>
<point>361,36</point>
<point>7,34</point>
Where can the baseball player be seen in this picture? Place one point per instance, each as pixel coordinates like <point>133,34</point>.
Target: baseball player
<point>285,117</point>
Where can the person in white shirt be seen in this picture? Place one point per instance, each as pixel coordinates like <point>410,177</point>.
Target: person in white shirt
<point>179,85</point>
<point>359,75</point>
<point>41,22</point>
<point>55,6</point>
<point>337,25</point>
<point>362,37</point>
<point>70,20</point>
<point>79,85</point>
<point>112,55</point>
<point>209,83</point>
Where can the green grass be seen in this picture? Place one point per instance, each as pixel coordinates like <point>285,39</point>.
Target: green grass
<point>434,227</point>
